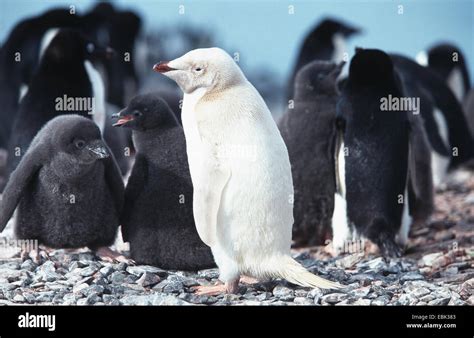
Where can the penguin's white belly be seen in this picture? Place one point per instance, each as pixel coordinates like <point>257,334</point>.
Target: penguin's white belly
<point>191,132</point>
<point>440,164</point>
<point>98,90</point>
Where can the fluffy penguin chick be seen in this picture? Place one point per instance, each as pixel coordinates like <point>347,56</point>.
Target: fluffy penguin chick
<point>240,171</point>
<point>67,187</point>
<point>309,133</point>
<point>157,218</point>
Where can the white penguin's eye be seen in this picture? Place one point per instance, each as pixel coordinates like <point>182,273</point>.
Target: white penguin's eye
<point>90,47</point>
<point>80,144</point>
<point>198,69</point>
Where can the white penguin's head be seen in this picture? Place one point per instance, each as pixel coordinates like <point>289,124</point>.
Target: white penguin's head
<point>208,68</point>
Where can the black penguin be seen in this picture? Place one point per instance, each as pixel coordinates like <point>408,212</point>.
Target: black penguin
<point>67,187</point>
<point>60,78</point>
<point>158,216</point>
<point>371,155</point>
<point>446,124</point>
<point>19,57</point>
<point>448,61</point>
<point>322,44</point>
<point>308,130</point>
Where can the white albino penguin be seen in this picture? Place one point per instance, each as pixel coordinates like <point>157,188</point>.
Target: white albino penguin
<point>240,170</point>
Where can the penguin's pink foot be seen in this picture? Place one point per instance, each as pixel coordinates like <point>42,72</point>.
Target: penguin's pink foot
<point>36,255</point>
<point>248,280</point>
<point>219,288</point>
<point>107,254</point>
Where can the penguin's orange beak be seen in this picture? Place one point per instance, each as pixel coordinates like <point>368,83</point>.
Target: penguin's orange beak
<point>162,67</point>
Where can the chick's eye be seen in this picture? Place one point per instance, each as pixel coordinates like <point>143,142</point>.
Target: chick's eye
<point>137,113</point>
<point>80,144</point>
<point>90,47</point>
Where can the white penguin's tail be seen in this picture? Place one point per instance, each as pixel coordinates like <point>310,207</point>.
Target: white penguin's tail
<point>295,273</point>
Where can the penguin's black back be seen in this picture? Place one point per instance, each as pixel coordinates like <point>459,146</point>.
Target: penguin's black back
<point>61,72</point>
<point>442,97</point>
<point>377,145</point>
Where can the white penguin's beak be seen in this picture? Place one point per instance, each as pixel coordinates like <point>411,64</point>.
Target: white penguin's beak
<point>162,67</point>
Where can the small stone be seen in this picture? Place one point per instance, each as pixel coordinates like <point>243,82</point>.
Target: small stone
<point>29,265</point>
<point>410,276</point>
<point>93,290</point>
<point>47,272</point>
<point>138,270</point>
<point>92,299</point>
<point>79,288</point>
<point>29,297</point>
<point>264,296</point>
<point>362,302</point>
<point>440,301</point>
<point>380,301</point>
<point>89,271</point>
<point>420,292</point>
<point>198,299</point>
<point>333,298</point>
<point>407,299</point>
<point>121,266</point>
<point>148,279</point>
<point>107,270</point>
<point>137,300</point>
<point>360,292</point>
<point>209,274</point>
<point>110,300</point>
<point>118,277</point>
<point>429,259</point>
<point>172,300</point>
<point>302,301</point>
<point>19,299</point>
<point>46,296</point>
<point>470,300</point>
<point>82,301</point>
<point>283,293</point>
<point>169,285</point>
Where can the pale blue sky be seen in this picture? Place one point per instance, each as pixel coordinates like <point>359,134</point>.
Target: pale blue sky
<point>266,35</point>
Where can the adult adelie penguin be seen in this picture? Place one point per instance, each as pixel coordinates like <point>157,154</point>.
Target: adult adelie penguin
<point>65,74</point>
<point>240,171</point>
<point>309,131</point>
<point>157,218</point>
<point>67,187</point>
<point>325,42</point>
<point>448,61</point>
<point>371,157</point>
<point>446,126</point>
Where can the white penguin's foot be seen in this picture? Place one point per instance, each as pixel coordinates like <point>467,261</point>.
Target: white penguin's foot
<point>107,254</point>
<point>218,288</point>
<point>248,280</point>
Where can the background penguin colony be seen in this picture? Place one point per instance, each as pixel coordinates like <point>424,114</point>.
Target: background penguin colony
<point>359,171</point>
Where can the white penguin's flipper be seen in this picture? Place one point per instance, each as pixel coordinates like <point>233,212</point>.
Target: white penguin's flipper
<point>213,177</point>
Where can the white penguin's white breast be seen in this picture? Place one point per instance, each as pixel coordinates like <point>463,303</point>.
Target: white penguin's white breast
<point>191,131</point>
<point>98,90</point>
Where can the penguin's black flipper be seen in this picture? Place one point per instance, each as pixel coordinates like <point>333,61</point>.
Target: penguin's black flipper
<point>114,180</point>
<point>135,184</point>
<point>28,167</point>
<point>420,178</point>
